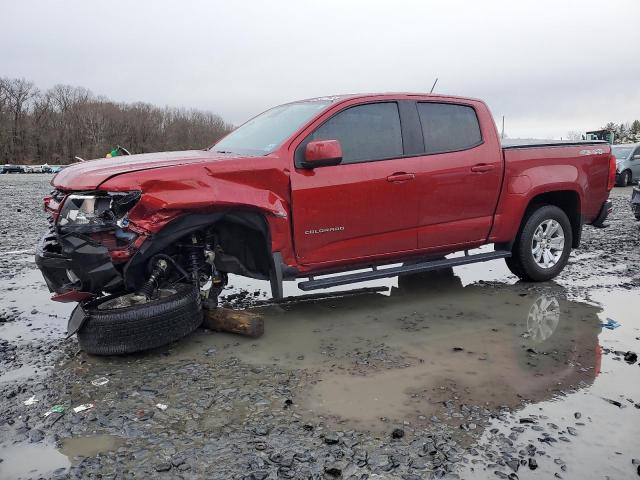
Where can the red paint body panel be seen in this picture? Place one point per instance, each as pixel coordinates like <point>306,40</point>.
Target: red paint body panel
<point>350,215</point>
<point>536,170</point>
<point>72,296</point>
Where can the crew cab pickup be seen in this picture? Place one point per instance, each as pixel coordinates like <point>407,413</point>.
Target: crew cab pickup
<point>383,184</point>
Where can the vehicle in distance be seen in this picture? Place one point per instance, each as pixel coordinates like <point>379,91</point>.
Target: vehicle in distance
<point>10,168</point>
<point>33,169</point>
<point>311,189</point>
<point>627,163</point>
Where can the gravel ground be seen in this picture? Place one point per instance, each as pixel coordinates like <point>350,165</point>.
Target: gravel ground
<point>463,374</point>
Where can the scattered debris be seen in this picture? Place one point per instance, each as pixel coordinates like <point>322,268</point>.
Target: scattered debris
<point>98,382</point>
<point>30,401</point>
<point>241,322</point>
<point>162,406</point>
<point>610,324</point>
<point>613,402</point>
<point>54,409</point>
<point>631,357</point>
<point>83,407</point>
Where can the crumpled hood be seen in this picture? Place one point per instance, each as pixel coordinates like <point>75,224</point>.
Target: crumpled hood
<point>89,175</point>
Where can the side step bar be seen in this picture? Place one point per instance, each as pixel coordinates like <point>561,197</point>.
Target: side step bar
<point>375,273</point>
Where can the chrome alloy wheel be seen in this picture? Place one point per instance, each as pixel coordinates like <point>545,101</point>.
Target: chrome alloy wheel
<point>132,299</point>
<point>543,318</point>
<point>547,244</point>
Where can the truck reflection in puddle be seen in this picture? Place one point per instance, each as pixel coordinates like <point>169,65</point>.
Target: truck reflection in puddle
<point>430,346</point>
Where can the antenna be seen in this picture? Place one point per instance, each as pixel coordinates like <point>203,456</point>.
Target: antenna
<point>433,86</point>
<point>502,135</point>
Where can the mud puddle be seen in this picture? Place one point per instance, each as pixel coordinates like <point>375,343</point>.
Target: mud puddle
<point>593,429</point>
<point>27,461</point>
<point>398,356</point>
<point>24,372</point>
<point>27,301</point>
<point>90,445</point>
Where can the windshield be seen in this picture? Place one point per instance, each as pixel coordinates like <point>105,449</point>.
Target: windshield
<point>621,153</point>
<point>262,134</point>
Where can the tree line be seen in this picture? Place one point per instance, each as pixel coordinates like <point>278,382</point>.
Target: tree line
<point>624,132</point>
<point>56,125</point>
<point>628,132</point>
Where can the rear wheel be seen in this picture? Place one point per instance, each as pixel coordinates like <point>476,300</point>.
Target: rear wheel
<point>542,247</point>
<point>126,324</point>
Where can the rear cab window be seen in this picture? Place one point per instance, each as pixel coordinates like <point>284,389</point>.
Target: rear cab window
<point>366,133</point>
<point>448,127</point>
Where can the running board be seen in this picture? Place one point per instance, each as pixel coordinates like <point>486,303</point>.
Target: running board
<point>375,273</point>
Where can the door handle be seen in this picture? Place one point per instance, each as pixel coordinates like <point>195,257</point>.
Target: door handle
<point>400,177</point>
<point>482,168</point>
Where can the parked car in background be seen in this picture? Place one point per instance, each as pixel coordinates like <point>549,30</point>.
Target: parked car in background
<point>10,168</point>
<point>33,169</point>
<point>627,163</point>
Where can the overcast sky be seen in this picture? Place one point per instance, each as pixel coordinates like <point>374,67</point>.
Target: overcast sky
<point>548,66</point>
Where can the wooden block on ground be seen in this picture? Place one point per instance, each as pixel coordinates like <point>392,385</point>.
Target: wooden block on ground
<point>233,321</point>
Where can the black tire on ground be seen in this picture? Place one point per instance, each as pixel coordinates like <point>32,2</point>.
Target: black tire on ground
<point>132,329</point>
<point>521,262</point>
<point>623,179</point>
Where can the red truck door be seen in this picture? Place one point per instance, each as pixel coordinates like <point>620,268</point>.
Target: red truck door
<point>364,207</point>
<point>460,175</point>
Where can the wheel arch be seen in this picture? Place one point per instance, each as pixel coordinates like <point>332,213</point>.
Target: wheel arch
<point>566,200</point>
<point>249,222</point>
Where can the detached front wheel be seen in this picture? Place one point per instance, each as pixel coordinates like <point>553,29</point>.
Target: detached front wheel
<point>123,324</point>
<point>542,247</point>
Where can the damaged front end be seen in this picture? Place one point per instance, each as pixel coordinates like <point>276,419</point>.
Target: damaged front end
<point>87,232</point>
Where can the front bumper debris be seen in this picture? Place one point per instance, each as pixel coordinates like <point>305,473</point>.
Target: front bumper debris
<point>75,267</point>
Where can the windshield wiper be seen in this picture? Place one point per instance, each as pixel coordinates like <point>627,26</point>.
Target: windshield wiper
<point>223,151</point>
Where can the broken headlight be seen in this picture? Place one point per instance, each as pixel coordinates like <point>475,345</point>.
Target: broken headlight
<point>94,212</point>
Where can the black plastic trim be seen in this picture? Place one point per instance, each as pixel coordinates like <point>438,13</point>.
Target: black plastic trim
<point>558,144</point>
<point>602,215</point>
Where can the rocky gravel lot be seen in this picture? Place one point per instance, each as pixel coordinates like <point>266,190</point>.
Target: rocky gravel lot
<point>463,374</point>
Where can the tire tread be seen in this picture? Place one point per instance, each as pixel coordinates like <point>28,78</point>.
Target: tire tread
<point>138,328</point>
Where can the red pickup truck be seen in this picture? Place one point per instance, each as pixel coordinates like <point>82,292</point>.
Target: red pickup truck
<point>383,184</point>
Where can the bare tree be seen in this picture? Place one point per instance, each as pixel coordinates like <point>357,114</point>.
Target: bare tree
<point>19,92</point>
<point>574,135</point>
<point>66,121</point>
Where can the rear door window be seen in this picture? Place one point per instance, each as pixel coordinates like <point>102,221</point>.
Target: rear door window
<point>365,132</point>
<point>448,127</point>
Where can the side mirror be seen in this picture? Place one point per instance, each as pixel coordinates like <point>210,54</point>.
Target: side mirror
<point>322,153</point>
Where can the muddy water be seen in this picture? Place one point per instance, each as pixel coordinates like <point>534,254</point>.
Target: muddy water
<point>20,461</point>
<point>90,445</point>
<point>39,317</point>
<point>29,461</point>
<point>399,356</point>
<point>605,436</point>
